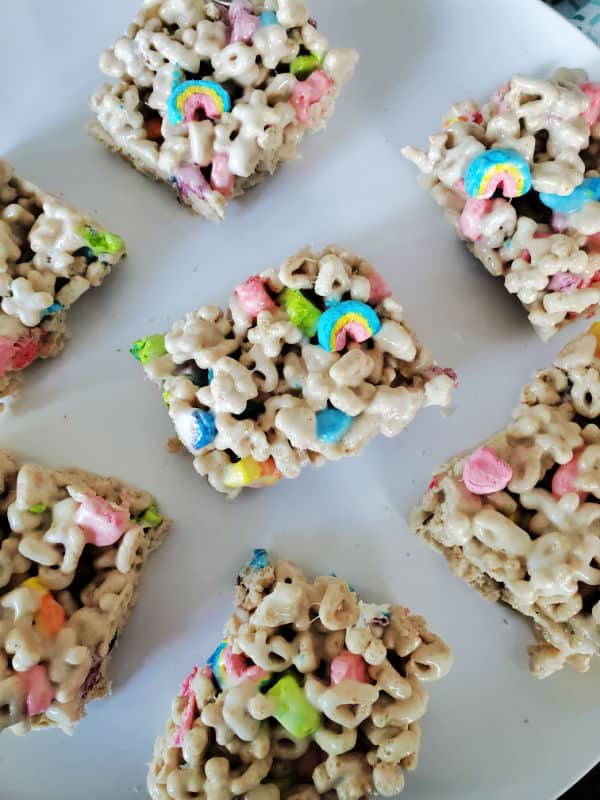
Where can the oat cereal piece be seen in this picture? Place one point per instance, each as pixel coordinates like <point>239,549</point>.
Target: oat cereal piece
<point>72,548</point>
<point>518,517</point>
<point>308,363</point>
<point>518,178</point>
<point>210,97</point>
<point>312,693</point>
<point>50,255</point>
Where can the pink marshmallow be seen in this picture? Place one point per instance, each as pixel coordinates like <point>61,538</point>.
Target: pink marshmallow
<point>186,687</point>
<point>592,90</point>
<point>187,720</point>
<point>559,222</point>
<point>352,330</point>
<point>433,483</point>
<point>308,93</point>
<point>200,103</point>
<point>433,371</point>
<point>39,691</point>
<point>221,177</point>
<point>27,349</point>
<point>472,214</point>
<point>190,180</point>
<point>254,297</point>
<point>235,663</point>
<point>238,7</point>
<point>254,674</point>
<point>243,22</point>
<point>484,472</point>
<point>236,666</point>
<point>565,282</point>
<point>19,353</point>
<point>189,712</point>
<point>348,667</point>
<point>505,181</point>
<point>102,523</point>
<point>7,351</point>
<point>564,480</point>
<point>499,95</point>
<point>379,288</point>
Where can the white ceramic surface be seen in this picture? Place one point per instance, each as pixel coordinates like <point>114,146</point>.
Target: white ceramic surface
<point>492,731</point>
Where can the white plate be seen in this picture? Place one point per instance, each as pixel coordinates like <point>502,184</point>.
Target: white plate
<point>492,730</point>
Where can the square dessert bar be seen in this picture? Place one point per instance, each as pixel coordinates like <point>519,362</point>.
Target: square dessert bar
<point>50,255</point>
<point>312,693</point>
<point>210,97</point>
<point>518,179</point>
<point>309,362</point>
<point>518,518</point>
<point>72,547</point>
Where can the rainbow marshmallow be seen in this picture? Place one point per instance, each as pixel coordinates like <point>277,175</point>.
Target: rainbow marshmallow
<point>217,665</point>
<point>498,168</point>
<point>187,97</point>
<point>348,319</point>
<point>230,669</point>
<point>252,473</point>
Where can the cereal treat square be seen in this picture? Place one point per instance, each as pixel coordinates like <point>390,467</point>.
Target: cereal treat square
<point>308,363</point>
<point>518,179</point>
<point>518,517</point>
<point>210,97</point>
<point>72,548</point>
<point>312,693</point>
<point>50,255</point>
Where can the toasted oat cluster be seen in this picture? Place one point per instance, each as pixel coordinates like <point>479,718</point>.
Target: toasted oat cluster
<point>518,179</point>
<point>72,547</point>
<point>50,255</point>
<point>211,97</point>
<point>519,517</point>
<point>312,693</point>
<point>309,362</point>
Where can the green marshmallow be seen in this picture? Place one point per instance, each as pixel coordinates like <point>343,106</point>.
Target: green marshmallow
<point>151,518</point>
<point>302,313</point>
<point>303,66</point>
<point>293,711</point>
<point>38,508</point>
<point>101,241</point>
<point>145,350</point>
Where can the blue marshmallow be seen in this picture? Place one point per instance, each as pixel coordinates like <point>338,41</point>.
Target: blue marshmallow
<point>332,424</point>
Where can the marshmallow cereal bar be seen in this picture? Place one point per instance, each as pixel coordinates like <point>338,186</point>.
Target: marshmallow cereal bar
<point>518,178</point>
<point>50,255</point>
<point>312,693</point>
<point>210,97</point>
<point>518,518</point>
<point>309,362</point>
<point>72,547</point>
